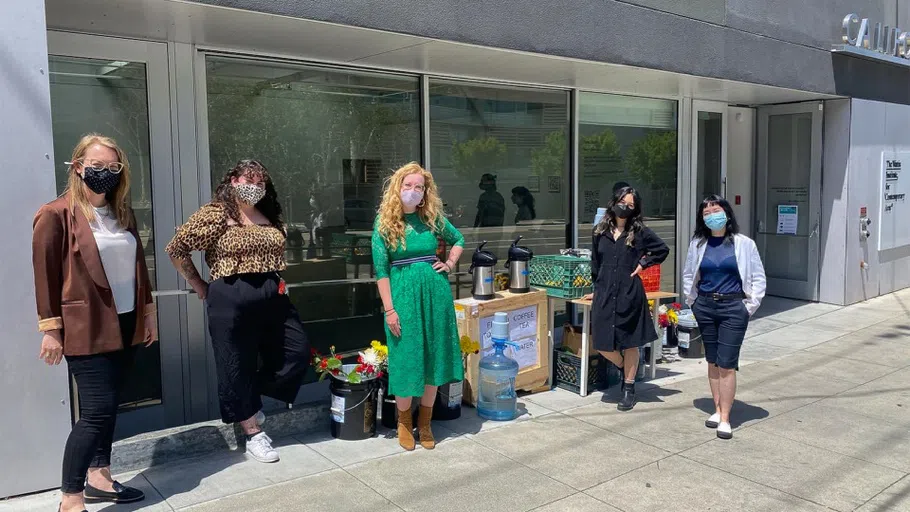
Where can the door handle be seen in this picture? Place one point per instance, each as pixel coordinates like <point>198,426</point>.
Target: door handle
<point>814,232</point>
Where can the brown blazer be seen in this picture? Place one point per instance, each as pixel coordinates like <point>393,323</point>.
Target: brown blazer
<point>71,287</point>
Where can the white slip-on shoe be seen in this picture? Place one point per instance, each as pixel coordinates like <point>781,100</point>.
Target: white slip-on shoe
<point>724,431</point>
<point>259,447</point>
<point>713,421</point>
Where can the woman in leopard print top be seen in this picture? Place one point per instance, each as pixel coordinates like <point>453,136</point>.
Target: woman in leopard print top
<point>249,312</point>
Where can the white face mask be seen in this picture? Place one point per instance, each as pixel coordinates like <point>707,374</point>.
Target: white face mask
<point>248,193</point>
<point>411,198</point>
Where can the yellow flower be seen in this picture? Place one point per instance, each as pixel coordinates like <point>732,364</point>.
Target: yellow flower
<point>651,303</point>
<point>381,349</point>
<point>672,316</point>
<point>468,346</point>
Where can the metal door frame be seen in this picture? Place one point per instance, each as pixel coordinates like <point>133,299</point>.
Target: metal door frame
<point>715,108</point>
<point>805,290</point>
<point>171,317</point>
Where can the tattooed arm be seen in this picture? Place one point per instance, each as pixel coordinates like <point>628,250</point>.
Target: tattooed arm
<point>200,233</point>
<point>189,272</point>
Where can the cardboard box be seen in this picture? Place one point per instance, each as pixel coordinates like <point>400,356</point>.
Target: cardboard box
<point>528,317</point>
<point>571,339</point>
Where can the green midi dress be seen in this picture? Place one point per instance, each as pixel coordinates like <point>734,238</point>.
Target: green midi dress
<point>427,352</point>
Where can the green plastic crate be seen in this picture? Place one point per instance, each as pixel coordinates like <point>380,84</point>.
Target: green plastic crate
<point>562,276</point>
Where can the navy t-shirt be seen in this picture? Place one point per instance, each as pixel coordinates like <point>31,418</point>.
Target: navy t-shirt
<point>718,270</point>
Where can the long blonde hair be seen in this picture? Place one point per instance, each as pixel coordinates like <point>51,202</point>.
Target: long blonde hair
<point>391,212</point>
<point>119,199</point>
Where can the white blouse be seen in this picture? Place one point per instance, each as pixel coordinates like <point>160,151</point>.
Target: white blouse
<point>117,247</point>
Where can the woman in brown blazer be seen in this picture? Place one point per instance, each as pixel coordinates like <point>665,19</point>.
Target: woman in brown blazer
<point>94,307</point>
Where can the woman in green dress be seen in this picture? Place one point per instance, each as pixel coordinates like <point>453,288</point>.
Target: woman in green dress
<point>416,297</point>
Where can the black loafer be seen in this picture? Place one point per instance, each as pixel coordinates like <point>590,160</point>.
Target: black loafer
<point>121,494</point>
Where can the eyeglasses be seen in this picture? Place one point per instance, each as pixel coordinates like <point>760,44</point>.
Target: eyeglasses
<point>418,188</point>
<point>114,167</point>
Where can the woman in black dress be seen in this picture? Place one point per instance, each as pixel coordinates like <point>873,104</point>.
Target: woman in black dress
<point>622,323</point>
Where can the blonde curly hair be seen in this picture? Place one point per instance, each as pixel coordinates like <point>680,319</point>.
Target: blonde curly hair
<point>391,223</point>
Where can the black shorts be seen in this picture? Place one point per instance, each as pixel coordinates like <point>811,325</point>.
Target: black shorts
<point>723,325</point>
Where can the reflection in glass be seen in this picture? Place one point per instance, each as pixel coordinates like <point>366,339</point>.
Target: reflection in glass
<point>500,156</point>
<point>789,170</point>
<point>629,141</point>
<point>709,169</point>
<point>110,97</point>
<point>328,138</point>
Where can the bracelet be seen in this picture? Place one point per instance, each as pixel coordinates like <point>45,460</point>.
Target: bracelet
<point>390,310</point>
<point>450,265</point>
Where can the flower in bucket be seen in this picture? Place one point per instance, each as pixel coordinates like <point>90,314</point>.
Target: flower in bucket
<point>371,363</point>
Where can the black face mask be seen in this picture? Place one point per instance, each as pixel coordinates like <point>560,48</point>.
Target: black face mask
<point>622,211</point>
<point>100,181</point>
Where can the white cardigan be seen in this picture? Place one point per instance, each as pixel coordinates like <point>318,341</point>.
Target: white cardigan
<point>751,271</point>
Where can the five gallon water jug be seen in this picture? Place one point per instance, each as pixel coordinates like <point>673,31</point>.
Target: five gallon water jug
<point>496,398</point>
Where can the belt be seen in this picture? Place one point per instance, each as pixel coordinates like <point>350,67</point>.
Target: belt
<point>418,259</point>
<point>718,297</point>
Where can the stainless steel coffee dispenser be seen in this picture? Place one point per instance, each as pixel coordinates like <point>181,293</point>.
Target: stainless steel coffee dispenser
<point>482,263</point>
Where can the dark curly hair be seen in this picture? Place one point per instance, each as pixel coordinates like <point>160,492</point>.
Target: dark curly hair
<point>226,197</point>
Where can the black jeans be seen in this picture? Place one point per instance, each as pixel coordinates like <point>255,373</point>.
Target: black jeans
<point>99,379</point>
<point>248,320</point>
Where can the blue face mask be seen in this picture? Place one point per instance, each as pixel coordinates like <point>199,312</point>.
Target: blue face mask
<point>715,221</point>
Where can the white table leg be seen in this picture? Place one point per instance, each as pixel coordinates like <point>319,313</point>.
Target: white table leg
<point>656,345</point>
<point>585,329</point>
<point>551,319</point>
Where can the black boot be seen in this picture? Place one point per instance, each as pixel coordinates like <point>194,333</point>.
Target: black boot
<point>627,402</point>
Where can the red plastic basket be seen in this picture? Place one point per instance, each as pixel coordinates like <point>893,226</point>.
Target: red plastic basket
<point>650,277</point>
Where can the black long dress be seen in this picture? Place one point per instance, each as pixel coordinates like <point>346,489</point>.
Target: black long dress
<point>621,318</point>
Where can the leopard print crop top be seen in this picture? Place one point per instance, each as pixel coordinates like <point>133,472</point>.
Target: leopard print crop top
<point>230,249</point>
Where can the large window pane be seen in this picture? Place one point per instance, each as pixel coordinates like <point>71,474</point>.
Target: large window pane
<point>633,141</point>
<point>329,138</point>
<point>500,156</point>
<point>111,98</point>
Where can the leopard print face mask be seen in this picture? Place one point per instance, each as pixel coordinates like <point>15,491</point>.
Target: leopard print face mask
<point>248,193</point>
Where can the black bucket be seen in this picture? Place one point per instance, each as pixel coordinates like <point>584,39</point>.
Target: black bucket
<point>353,409</point>
<point>388,409</point>
<point>448,401</point>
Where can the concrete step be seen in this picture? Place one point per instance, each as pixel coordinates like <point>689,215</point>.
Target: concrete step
<point>168,445</point>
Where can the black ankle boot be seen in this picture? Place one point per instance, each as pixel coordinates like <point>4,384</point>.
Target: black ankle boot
<point>627,402</point>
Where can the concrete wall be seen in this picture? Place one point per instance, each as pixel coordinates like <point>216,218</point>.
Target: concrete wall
<point>774,42</point>
<point>833,231</point>
<point>874,127</point>
<point>34,397</point>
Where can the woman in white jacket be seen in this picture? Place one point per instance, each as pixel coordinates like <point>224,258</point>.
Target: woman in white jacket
<point>724,283</point>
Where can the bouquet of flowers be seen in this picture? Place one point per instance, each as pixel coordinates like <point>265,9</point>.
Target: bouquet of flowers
<point>668,314</point>
<point>371,364</point>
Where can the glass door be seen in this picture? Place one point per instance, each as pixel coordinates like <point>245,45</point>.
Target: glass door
<point>120,88</point>
<point>709,149</point>
<point>788,199</point>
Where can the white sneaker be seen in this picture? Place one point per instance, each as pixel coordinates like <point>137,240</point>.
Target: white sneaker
<point>259,417</point>
<point>713,421</point>
<point>260,448</point>
<point>724,431</point>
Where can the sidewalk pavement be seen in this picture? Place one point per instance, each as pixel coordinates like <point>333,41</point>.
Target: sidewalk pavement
<point>821,422</point>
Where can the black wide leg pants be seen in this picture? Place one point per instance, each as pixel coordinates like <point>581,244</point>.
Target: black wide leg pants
<point>249,319</point>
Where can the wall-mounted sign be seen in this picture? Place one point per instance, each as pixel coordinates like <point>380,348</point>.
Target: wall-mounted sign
<point>880,42</point>
<point>893,228</point>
